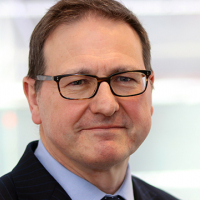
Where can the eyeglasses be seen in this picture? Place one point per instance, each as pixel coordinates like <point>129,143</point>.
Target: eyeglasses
<point>84,86</point>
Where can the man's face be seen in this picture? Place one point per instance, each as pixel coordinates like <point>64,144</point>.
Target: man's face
<point>105,130</point>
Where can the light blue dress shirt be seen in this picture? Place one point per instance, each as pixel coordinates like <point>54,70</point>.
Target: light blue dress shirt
<point>76,187</point>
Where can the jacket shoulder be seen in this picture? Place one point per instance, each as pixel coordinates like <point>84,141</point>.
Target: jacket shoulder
<point>147,191</point>
<point>30,180</point>
<point>7,188</point>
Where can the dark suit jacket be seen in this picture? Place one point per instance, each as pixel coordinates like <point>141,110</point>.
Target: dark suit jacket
<point>30,180</point>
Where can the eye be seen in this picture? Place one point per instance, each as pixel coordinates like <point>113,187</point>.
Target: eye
<point>124,79</point>
<point>129,79</point>
<point>78,82</point>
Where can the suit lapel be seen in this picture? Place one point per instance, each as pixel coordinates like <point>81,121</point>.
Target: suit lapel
<point>141,190</point>
<point>32,181</point>
<point>59,193</point>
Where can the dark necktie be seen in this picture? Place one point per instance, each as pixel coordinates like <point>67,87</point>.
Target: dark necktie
<point>113,198</point>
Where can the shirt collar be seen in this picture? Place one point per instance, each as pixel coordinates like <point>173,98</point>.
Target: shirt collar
<point>76,187</point>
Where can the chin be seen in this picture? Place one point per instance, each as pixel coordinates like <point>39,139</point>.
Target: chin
<point>107,160</point>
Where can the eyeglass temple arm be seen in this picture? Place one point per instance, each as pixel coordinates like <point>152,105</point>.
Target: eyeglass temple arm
<point>44,78</point>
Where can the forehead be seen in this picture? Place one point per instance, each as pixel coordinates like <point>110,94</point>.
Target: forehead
<point>93,43</point>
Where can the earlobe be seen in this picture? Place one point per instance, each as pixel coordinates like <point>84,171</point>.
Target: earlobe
<point>29,91</point>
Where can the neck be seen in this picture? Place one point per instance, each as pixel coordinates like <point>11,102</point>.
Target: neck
<point>109,181</point>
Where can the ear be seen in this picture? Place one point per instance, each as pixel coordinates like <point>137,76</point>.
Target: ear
<point>151,78</point>
<point>29,90</point>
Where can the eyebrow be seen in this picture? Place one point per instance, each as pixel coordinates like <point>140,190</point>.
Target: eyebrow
<point>80,71</point>
<point>121,69</point>
<point>113,71</point>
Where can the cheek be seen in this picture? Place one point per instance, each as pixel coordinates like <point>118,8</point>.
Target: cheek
<point>70,112</point>
<point>139,110</point>
<point>61,117</point>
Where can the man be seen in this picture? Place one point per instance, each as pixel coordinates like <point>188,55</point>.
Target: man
<point>89,89</point>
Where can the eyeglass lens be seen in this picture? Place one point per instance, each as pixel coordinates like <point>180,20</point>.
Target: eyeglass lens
<point>82,86</point>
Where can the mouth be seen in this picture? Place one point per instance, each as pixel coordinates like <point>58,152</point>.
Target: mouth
<point>104,131</point>
<point>104,127</point>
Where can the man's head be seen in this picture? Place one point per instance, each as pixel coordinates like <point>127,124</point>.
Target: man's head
<point>101,132</point>
<point>70,11</point>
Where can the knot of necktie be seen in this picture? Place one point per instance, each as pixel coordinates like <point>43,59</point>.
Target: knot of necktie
<point>113,198</point>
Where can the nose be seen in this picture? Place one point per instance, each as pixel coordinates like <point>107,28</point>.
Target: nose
<point>104,102</point>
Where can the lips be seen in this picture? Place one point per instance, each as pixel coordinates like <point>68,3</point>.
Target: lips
<point>104,127</point>
<point>104,132</point>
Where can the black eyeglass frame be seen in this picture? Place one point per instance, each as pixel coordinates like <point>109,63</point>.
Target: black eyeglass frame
<point>57,78</point>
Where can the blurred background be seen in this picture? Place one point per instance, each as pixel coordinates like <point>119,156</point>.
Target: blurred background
<point>170,156</point>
